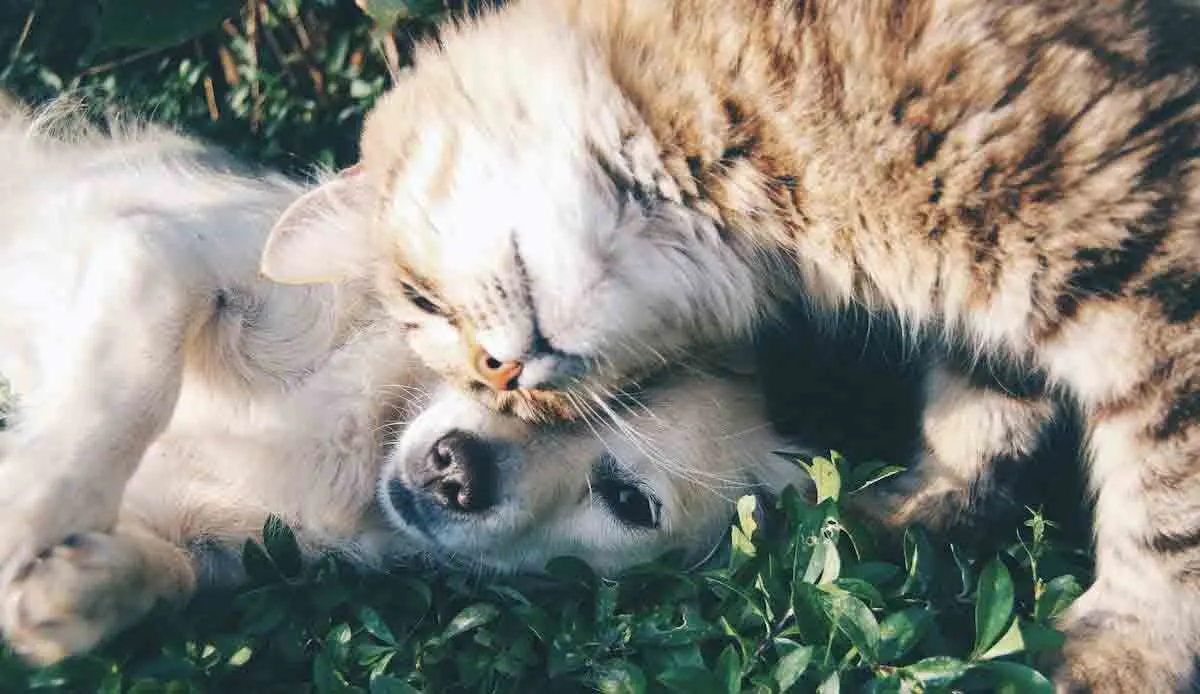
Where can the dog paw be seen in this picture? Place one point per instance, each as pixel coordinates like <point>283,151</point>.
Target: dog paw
<point>73,596</point>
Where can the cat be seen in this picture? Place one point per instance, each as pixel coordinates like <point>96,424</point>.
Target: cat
<point>1017,179</point>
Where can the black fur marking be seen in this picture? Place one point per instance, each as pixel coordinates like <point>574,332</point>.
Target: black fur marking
<point>1043,161</point>
<point>1067,306</point>
<point>936,194</point>
<point>928,142</point>
<point>1177,292</point>
<point>1184,412</point>
<point>1015,87</point>
<point>910,93</point>
<point>1118,65</point>
<point>743,139</point>
<point>1165,542</point>
<point>1104,272</point>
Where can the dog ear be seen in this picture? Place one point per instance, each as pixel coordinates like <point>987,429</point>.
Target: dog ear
<point>322,236</point>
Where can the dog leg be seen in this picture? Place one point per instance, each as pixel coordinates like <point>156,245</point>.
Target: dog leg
<point>92,586</point>
<point>108,352</point>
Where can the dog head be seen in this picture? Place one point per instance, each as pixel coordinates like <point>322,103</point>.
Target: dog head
<point>630,482</point>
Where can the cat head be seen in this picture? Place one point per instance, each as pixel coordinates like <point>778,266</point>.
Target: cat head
<point>523,230</point>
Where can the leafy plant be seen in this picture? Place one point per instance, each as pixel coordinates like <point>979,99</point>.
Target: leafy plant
<point>804,602</point>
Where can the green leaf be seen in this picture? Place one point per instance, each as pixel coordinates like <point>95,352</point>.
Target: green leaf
<point>831,685</point>
<point>325,677</point>
<point>391,685</point>
<point>994,604</point>
<point>1056,596</point>
<point>747,506</point>
<point>689,679</point>
<point>827,478</point>
<point>900,631</point>
<point>375,625</point>
<point>937,671</point>
<point>621,677</point>
<point>1014,678</point>
<point>919,562</point>
<point>155,24</point>
<point>791,665</point>
<point>281,545</point>
<point>876,573</point>
<point>387,13</point>
<point>1011,642</point>
<point>729,669</point>
<point>1039,638</point>
<point>816,561</point>
<point>469,618</point>
<point>258,565</point>
<point>832,567</point>
<point>854,619</point>
<point>868,474</point>
<point>572,570</point>
<point>862,590</point>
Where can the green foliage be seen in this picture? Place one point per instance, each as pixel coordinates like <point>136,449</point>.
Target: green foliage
<point>283,82</point>
<point>799,604</point>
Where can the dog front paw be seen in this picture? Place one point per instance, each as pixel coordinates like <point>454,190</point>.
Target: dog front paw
<point>75,595</point>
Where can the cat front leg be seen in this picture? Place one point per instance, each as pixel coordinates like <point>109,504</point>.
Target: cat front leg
<point>85,590</point>
<point>970,428</point>
<point>1137,628</point>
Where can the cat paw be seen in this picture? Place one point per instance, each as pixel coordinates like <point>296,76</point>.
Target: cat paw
<point>946,506</point>
<point>911,499</point>
<point>1112,660</point>
<point>73,596</point>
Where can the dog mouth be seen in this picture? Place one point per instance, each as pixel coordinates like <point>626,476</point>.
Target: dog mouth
<point>405,503</point>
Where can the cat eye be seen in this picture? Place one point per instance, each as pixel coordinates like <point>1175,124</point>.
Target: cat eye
<point>422,302</point>
<point>627,500</point>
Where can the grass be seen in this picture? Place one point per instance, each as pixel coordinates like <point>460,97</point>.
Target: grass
<point>810,601</point>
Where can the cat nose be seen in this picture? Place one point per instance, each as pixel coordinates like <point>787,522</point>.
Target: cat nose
<point>460,473</point>
<point>499,375</point>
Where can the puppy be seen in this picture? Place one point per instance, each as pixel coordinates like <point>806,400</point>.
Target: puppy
<point>166,399</point>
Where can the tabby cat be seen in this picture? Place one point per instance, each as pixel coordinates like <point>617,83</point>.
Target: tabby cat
<point>1016,178</point>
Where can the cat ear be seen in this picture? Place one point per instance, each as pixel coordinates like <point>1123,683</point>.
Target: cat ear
<point>321,237</point>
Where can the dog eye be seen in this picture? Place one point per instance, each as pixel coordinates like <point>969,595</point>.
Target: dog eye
<point>420,300</point>
<point>630,504</point>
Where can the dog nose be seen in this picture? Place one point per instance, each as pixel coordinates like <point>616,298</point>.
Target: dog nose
<point>461,473</point>
<point>499,375</point>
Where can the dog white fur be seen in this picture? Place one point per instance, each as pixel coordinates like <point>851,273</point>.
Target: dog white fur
<point>166,398</point>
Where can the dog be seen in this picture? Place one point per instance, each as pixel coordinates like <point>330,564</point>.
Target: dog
<point>165,399</point>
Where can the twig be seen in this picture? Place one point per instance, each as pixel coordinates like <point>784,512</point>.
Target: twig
<point>284,61</point>
<point>210,94</point>
<point>255,86</point>
<point>124,60</point>
<point>20,44</point>
<point>304,41</point>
